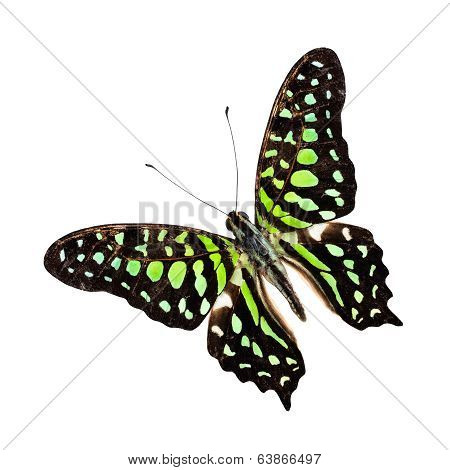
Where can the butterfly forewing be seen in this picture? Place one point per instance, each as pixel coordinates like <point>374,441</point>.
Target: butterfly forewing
<point>304,174</point>
<point>173,274</point>
<point>347,264</point>
<point>245,338</point>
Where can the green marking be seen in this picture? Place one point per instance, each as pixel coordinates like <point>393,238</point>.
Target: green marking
<point>314,82</point>
<point>182,305</point>
<point>285,113</point>
<point>168,250</point>
<point>372,270</point>
<point>165,305</point>
<point>332,192</point>
<point>334,155</point>
<point>311,258</point>
<point>141,248</point>
<point>374,291</point>
<point>267,172</point>
<point>283,380</point>
<point>349,263</point>
<point>177,273</point>
<point>289,93</point>
<point>161,235</point>
<point>216,259</point>
<point>62,255</point>
<point>145,296</point>
<point>278,212</point>
<point>99,236</point>
<point>208,243</point>
<point>274,360</point>
<point>119,238</point>
<point>331,280</point>
<point>181,237</point>
<point>188,314</point>
<point>327,215</point>
<point>278,183</point>
<point>328,94</point>
<point>339,201</point>
<point>358,296</point>
<point>284,164</point>
<point>305,204</point>
<point>310,117</point>
<point>265,199</point>
<point>330,134</point>
<point>221,278</point>
<point>294,222</point>
<point>250,301</point>
<point>244,366</point>
<point>116,262</point>
<point>316,63</point>
<point>355,313</point>
<point>155,271</point>
<point>309,135</point>
<point>363,250</point>
<point>200,281</point>
<point>236,324</point>
<point>125,285</point>
<point>309,99</point>
<point>71,270</point>
<point>204,307</point>
<point>263,373</point>
<point>353,276</point>
<point>290,361</point>
<point>374,311</point>
<point>133,267</point>
<point>188,251</point>
<point>227,351</point>
<point>256,349</point>
<point>275,138</point>
<point>289,138</point>
<point>99,257</point>
<point>81,257</point>
<point>107,279</point>
<point>245,342</point>
<point>88,274</point>
<point>271,153</point>
<point>146,235</point>
<point>80,243</point>
<point>334,249</point>
<point>269,332</point>
<point>307,157</point>
<point>304,179</point>
<point>337,176</point>
<point>110,248</point>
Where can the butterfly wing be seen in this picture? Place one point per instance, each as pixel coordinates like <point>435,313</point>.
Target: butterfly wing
<point>246,338</point>
<point>347,265</point>
<point>174,274</point>
<point>304,174</point>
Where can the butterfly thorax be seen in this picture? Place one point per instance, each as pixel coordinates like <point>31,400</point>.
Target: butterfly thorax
<point>263,256</point>
<point>250,240</point>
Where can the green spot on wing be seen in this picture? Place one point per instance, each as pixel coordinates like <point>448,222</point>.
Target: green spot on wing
<point>250,301</point>
<point>331,280</point>
<point>236,323</point>
<point>269,332</point>
<point>307,157</point>
<point>304,179</point>
<point>155,270</point>
<point>177,273</point>
<point>133,267</point>
<point>310,257</point>
<point>99,257</point>
<point>119,238</point>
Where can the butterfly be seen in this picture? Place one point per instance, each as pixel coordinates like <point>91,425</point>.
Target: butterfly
<point>178,275</point>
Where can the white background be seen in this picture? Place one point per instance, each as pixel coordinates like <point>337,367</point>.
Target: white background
<point>167,70</point>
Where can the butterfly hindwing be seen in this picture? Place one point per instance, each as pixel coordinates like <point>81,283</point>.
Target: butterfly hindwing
<point>304,174</point>
<point>173,274</point>
<point>245,338</point>
<point>347,265</point>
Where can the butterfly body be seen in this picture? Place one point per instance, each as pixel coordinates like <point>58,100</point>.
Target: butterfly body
<point>263,257</point>
<point>178,275</point>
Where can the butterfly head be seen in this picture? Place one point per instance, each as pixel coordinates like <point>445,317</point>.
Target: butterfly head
<point>235,220</point>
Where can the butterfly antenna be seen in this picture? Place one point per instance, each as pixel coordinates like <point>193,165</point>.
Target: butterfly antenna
<point>185,190</point>
<point>227,109</point>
